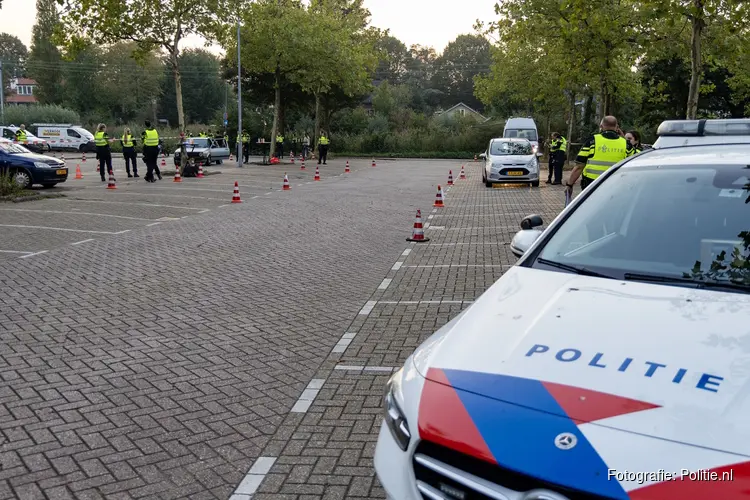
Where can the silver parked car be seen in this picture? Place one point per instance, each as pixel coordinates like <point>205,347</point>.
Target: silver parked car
<point>510,160</point>
<point>204,150</point>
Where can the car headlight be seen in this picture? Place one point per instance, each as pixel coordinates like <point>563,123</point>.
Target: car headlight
<point>204,154</point>
<point>394,415</point>
<point>39,164</point>
<point>533,164</point>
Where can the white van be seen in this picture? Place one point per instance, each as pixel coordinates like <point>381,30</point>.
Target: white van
<point>65,136</point>
<point>523,128</point>
<point>33,143</point>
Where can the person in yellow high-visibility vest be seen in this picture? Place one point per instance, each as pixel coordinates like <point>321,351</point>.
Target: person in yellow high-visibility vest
<point>599,153</point>
<point>279,146</point>
<point>128,152</point>
<point>323,143</point>
<point>103,152</point>
<point>150,138</point>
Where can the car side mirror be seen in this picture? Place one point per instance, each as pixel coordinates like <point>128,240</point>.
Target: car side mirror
<point>523,240</point>
<point>531,221</point>
<point>483,156</point>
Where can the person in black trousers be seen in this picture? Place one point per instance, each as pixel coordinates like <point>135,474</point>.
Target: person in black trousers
<point>150,138</point>
<point>128,152</point>
<point>103,152</point>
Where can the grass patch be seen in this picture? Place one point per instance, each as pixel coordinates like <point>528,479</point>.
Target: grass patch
<point>8,187</point>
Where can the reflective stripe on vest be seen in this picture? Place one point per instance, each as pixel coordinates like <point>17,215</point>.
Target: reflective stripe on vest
<point>21,136</point>
<point>563,145</point>
<point>279,138</point>
<point>324,140</point>
<point>606,152</point>
<point>100,139</point>
<point>127,141</point>
<point>152,138</point>
<point>245,138</point>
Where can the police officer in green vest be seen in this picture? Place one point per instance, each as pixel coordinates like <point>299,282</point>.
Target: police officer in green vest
<point>128,152</point>
<point>599,153</point>
<point>103,153</point>
<point>245,146</point>
<point>558,153</point>
<point>150,138</point>
<point>21,134</point>
<point>323,148</point>
<point>202,134</point>
<point>279,146</point>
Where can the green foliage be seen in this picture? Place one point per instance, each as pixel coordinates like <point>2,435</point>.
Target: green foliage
<point>462,60</point>
<point>46,113</point>
<point>8,187</point>
<point>203,89</point>
<point>13,55</point>
<point>45,58</point>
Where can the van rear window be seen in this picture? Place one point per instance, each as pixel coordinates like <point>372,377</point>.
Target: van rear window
<point>529,133</point>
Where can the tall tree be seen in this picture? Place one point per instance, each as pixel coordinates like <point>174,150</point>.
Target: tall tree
<point>13,54</point>
<point>45,60</point>
<point>394,57</point>
<point>203,88</point>
<point>151,24</point>
<point>464,58</point>
<point>275,40</point>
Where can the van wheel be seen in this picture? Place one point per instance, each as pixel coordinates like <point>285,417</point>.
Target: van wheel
<point>82,148</point>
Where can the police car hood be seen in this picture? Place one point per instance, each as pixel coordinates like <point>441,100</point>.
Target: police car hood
<point>655,360</point>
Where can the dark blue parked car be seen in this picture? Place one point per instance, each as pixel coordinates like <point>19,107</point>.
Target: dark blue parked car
<point>27,168</point>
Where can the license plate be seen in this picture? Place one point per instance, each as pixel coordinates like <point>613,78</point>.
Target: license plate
<point>514,172</point>
<point>62,172</point>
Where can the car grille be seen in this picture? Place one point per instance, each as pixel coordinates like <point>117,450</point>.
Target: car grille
<point>444,474</point>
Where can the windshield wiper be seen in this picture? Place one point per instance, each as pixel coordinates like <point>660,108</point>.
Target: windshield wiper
<point>573,269</point>
<point>713,285</point>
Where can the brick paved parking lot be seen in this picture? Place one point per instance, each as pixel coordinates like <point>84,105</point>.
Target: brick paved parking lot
<point>159,342</point>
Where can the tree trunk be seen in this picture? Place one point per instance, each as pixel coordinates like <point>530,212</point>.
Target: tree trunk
<point>696,61</point>
<point>173,57</point>
<point>317,121</point>
<point>549,134</point>
<point>276,110</point>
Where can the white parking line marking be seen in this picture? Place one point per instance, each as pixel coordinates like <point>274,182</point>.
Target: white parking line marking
<point>153,224</point>
<point>429,217</point>
<point>204,210</point>
<point>73,200</point>
<point>82,241</point>
<point>122,232</point>
<point>160,195</point>
<point>406,252</point>
<point>368,307</point>
<point>457,244</point>
<point>426,225</point>
<point>360,368</point>
<point>75,213</point>
<point>434,227</point>
<point>346,339</point>
<point>419,302</point>
<point>476,228</point>
<point>397,266</point>
<point>32,254</point>
<point>460,265</point>
<point>385,284</point>
<point>61,229</point>
<point>253,478</point>
<point>434,210</point>
<point>308,396</point>
<point>13,251</point>
<point>270,192</point>
<point>222,206</point>
<point>254,197</point>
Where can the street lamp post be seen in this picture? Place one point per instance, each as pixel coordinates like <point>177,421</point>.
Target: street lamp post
<point>239,99</point>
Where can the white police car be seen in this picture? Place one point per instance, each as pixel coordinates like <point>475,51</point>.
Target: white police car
<point>702,132</point>
<point>612,362</point>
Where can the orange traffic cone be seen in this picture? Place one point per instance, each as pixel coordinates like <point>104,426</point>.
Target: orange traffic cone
<point>302,166</point>
<point>475,157</point>
<point>317,174</point>
<point>439,198</point>
<point>463,173</point>
<point>301,158</point>
<point>83,159</point>
<point>79,174</point>
<point>177,176</point>
<point>417,234</point>
<point>163,161</point>
<point>111,183</point>
<point>346,170</point>
<point>373,162</point>
<point>291,157</point>
<point>200,171</point>
<point>236,195</point>
<point>286,187</point>
<point>450,177</point>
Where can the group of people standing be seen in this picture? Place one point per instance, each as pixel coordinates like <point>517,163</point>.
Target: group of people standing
<point>323,144</point>
<point>151,144</point>
<point>611,141</point>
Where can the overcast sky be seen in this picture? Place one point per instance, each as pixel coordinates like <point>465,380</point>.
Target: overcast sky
<point>425,22</point>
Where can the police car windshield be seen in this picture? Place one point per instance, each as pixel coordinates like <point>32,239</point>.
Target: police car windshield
<point>500,148</point>
<point>691,223</point>
<point>529,134</point>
